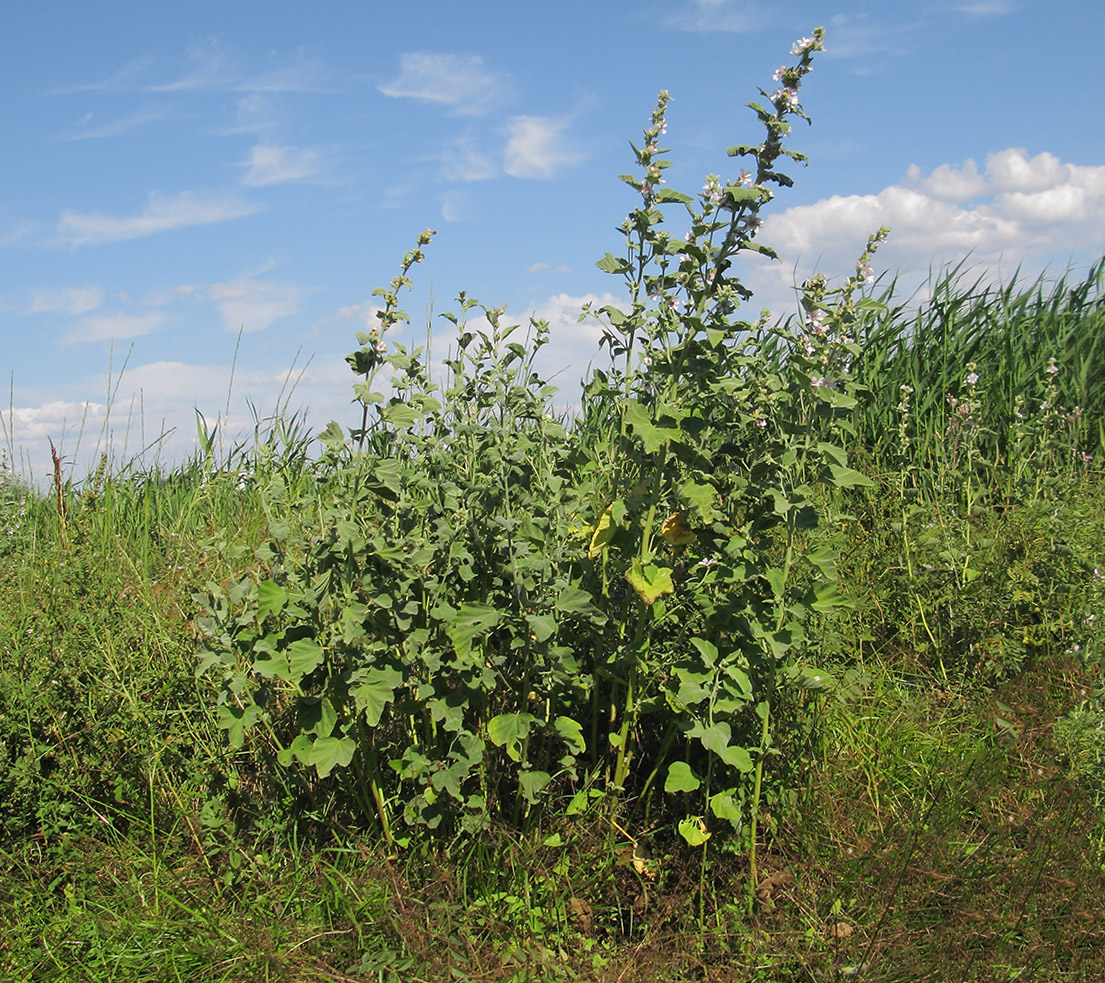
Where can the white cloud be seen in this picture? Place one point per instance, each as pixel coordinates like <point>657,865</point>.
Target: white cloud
<point>117,326</point>
<point>950,182</point>
<point>66,300</point>
<point>535,148</point>
<point>161,214</point>
<point>252,305</point>
<point>459,81</point>
<point>1018,210</point>
<point>278,165</point>
<point>50,419</point>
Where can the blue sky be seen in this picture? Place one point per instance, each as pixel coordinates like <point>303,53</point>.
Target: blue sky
<point>175,173</point>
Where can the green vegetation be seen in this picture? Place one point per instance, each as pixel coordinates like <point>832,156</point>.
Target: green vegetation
<point>779,661</point>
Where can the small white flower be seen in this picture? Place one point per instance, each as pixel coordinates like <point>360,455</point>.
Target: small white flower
<point>788,97</point>
<point>972,378</point>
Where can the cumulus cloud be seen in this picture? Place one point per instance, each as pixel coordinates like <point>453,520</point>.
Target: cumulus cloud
<point>252,305</point>
<point>279,165</point>
<point>65,300</point>
<point>536,148</point>
<point>52,418</point>
<point>458,81</point>
<point>1017,209</point>
<point>161,214</point>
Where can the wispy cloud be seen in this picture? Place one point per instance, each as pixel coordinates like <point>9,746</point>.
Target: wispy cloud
<point>862,34</point>
<point>87,129</point>
<point>732,16</point>
<point>536,147</point>
<point>126,78</point>
<point>214,66</point>
<point>115,326</point>
<point>466,160</point>
<point>279,165</point>
<point>977,8</point>
<point>66,300</point>
<point>455,205</point>
<point>22,230</point>
<point>161,214</point>
<point>252,305</point>
<point>458,81</point>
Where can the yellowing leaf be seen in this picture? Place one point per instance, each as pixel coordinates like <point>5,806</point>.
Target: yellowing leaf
<point>693,830</point>
<point>650,582</point>
<point>676,531</point>
<point>604,532</point>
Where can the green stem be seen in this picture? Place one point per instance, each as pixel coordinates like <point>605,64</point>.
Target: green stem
<point>764,737</point>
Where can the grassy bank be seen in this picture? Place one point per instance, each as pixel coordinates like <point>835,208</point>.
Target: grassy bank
<point>779,661</point>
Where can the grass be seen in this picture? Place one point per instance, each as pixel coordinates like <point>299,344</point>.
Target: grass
<point>920,823</point>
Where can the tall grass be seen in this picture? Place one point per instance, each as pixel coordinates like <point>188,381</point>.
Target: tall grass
<point>1037,349</point>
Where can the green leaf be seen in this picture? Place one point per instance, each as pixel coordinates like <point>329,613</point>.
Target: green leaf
<point>543,626</point>
<point>471,620</point>
<point>304,656</point>
<point>237,721</point>
<point>681,778</point>
<point>716,739</point>
<point>571,733</point>
<point>532,784</point>
<point>400,415</point>
<point>725,806</point>
<point>701,496</point>
<point>333,436</point>
<point>653,437</point>
<point>509,730</point>
<point>848,478</point>
<point>824,559</point>
<point>574,600</point>
<point>827,596</point>
<point>271,598</point>
<point>328,753</point>
<point>373,691</point>
<point>837,454</point>
<point>814,680</point>
<point>386,479</point>
<point>669,194</point>
<point>611,264</point>
<point>581,801</point>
